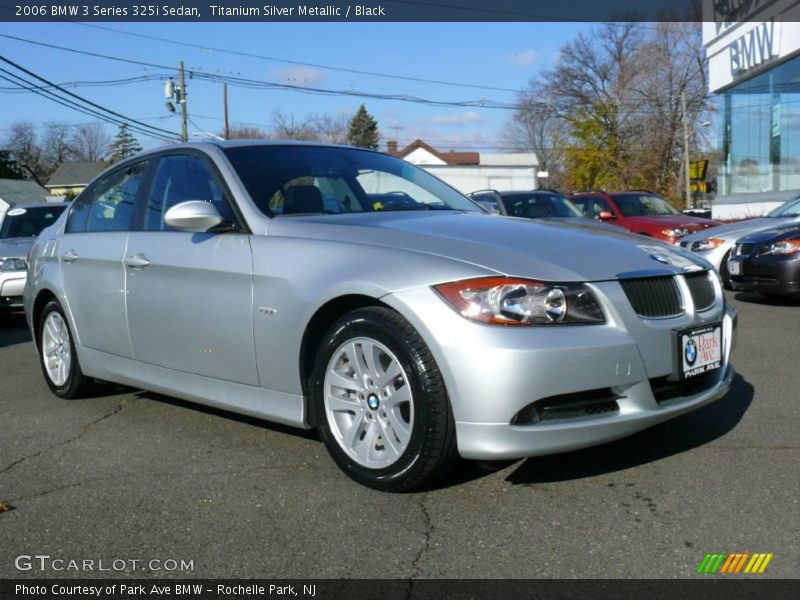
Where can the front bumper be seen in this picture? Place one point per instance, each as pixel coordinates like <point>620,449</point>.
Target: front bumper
<point>11,285</point>
<point>769,274</point>
<point>492,373</point>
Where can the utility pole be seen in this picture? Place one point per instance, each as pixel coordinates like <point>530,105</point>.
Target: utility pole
<point>686,179</point>
<point>182,101</point>
<point>227,134</point>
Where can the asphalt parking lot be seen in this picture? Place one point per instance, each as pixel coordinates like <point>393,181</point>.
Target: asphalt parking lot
<point>134,475</point>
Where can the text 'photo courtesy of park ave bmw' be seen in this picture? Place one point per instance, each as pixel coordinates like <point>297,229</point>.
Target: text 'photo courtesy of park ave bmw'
<point>290,288</point>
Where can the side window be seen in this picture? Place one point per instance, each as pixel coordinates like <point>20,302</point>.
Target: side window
<point>180,178</point>
<point>601,205</point>
<point>487,199</point>
<point>583,204</point>
<point>108,205</point>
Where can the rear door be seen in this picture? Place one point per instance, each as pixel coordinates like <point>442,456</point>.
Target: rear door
<point>91,253</point>
<point>190,295</point>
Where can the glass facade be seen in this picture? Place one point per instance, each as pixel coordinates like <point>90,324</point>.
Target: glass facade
<point>760,132</point>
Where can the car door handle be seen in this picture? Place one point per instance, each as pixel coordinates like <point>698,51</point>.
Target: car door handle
<point>69,256</point>
<point>137,261</point>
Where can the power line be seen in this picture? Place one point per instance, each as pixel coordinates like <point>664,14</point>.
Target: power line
<point>84,100</point>
<point>254,83</point>
<point>297,62</point>
<point>483,103</point>
<point>97,83</point>
<point>29,86</point>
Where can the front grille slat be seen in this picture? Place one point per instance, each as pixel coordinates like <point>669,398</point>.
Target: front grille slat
<point>653,297</point>
<point>702,289</point>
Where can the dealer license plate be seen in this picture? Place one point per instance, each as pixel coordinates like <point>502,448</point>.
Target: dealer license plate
<point>735,267</point>
<point>701,350</point>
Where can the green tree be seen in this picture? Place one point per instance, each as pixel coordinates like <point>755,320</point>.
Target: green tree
<point>363,130</point>
<point>123,146</point>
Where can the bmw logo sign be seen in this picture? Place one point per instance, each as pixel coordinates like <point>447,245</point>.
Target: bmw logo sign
<point>691,352</point>
<point>660,258</point>
<point>373,402</point>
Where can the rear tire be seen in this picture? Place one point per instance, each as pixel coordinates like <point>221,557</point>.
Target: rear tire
<point>57,355</point>
<point>380,402</point>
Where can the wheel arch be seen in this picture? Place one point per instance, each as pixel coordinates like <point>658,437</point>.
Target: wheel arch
<point>42,298</point>
<point>321,321</point>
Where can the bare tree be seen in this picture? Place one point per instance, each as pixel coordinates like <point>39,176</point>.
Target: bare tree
<point>287,127</point>
<point>677,66</point>
<point>616,93</point>
<point>332,129</point>
<point>536,127</point>
<point>55,145</point>
<point>89,142</point>
<point>23,147</point>
<point>246,132</point>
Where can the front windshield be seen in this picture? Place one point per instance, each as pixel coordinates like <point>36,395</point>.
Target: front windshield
<point>285,180</point>
<point>643,205</point>
<point>29,222</point>
<point>540,205</point>
<point>787,210</point>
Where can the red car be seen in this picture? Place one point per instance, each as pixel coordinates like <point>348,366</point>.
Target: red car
<point>640,212</point>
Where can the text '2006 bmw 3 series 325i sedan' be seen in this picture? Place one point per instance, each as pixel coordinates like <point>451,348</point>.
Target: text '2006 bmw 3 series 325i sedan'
<point>347,290</point>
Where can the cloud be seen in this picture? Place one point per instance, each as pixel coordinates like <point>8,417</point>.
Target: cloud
<point>524,59</point>
<point>300,75</point>
<point>459,120</point>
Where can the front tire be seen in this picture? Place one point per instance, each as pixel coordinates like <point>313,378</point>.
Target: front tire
<point>57,355</point>
<point>380,402</point>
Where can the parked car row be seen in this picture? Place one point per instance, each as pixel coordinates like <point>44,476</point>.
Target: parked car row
<point>753,272</point>
<point>350,291</point>
<point>763,253</point>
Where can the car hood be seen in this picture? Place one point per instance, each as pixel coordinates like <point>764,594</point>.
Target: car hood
<point>740,228</point>
<point>547,250</point>
<point>772,234</point>
<point>16,247</point>
<point>676,222</point>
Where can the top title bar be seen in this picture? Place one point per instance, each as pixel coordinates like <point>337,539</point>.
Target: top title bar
<point>380,10</point>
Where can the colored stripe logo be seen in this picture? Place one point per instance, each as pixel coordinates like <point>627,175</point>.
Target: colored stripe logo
<point>734,563</point>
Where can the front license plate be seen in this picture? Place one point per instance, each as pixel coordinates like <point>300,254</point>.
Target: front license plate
<point>701,350</point>
<point>734,267</point>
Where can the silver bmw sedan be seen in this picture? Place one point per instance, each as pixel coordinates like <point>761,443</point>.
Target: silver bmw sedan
<point>349,291</point>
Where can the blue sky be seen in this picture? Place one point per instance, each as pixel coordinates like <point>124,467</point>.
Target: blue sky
<point>503,55</point>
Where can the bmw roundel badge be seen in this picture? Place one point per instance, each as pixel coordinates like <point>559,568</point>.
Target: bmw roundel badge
<point>691,352</point>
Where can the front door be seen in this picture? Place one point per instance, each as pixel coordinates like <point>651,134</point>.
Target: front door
<point>190,295</point>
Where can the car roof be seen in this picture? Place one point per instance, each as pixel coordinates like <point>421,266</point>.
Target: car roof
<point>206,145</point>
<point>27,205</point>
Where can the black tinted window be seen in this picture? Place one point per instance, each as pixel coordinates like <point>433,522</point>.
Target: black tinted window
<point>108,205</point>
<point>181,178</point>
<point>29,222</point>
<point>539,205</point>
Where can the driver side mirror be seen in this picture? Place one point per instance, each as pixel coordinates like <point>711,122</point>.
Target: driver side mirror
<point>606,214</point>
<point>194,216</point>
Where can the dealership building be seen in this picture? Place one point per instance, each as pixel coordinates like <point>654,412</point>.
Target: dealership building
<point>754,69</point>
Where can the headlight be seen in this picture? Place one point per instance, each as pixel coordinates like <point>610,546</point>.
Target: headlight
<point>674,233</point>
<point>783,248</point>
<point>509,301</point>
<point>706,245</point>
<point>12,264</point>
